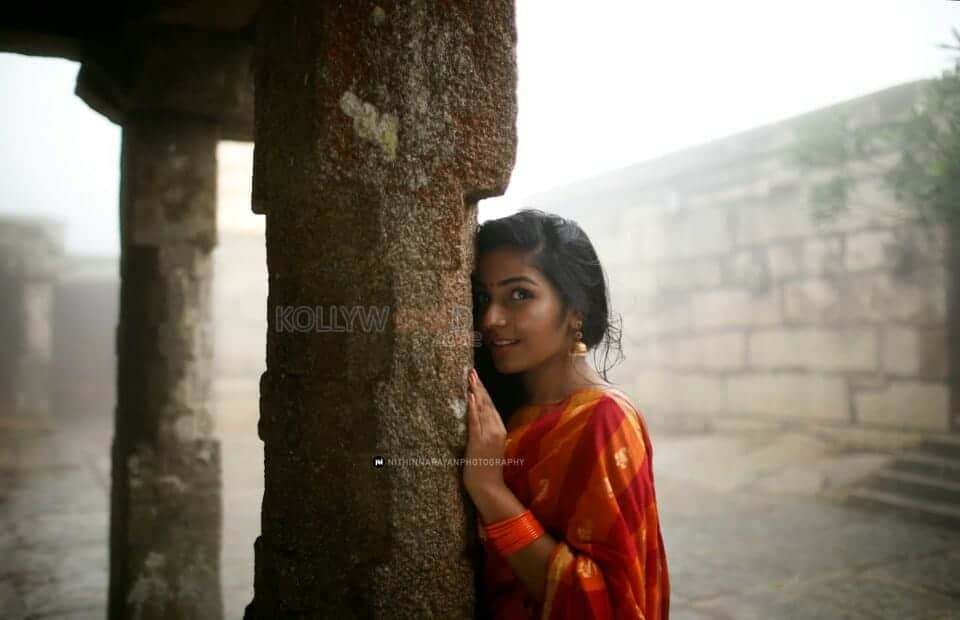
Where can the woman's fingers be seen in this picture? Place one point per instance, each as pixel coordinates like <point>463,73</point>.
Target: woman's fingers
<point>486,440</point>
<point>477,397</point>
<point>473,415</point>
<point>482,398</point>
<point>485,404</point>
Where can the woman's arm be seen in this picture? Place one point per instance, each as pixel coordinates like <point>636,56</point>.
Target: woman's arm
<point>530,562</point>
<point>493,498</point>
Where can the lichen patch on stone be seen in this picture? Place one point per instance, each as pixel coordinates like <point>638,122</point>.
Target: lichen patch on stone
<point>370,125</point>
<point>151,586</point>
<point>459,408</point>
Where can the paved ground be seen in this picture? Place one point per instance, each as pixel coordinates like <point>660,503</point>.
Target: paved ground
<point>755,527</point>
<point>753,524</point>
<point>54,519</point>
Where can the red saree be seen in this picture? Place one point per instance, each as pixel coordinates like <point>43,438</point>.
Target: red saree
<point>586,474</point>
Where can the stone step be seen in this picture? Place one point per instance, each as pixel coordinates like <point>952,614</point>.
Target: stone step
<point>918,486</point>
<point>924,480</point>
<point>947,446</point>
<point>937,466</point>
<point>938,512</point>
<point>949,438</point>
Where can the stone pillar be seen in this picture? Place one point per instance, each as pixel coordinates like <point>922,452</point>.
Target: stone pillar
<point>377,129</point>
<point>165,505</point>
<point>31,254</point>
<point>952,261</point>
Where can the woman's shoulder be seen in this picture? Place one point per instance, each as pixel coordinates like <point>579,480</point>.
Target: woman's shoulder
<point>612,404</point>
<point>608,396</point>
<point>613,427</point>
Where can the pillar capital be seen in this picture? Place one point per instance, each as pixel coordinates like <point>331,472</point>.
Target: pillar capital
<point>169,181</point>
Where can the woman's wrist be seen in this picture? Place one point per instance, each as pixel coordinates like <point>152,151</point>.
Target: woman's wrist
<point>496,503</point>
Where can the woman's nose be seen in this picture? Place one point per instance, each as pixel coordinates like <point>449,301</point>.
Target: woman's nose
<point>492,316</point>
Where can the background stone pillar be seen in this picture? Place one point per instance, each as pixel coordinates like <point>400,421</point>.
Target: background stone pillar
<point>165,506</point>
<point>953,319</point>
<point>377,128</point>
<point>31,254</point>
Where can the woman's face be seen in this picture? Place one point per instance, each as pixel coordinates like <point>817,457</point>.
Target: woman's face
<point>514,301</point>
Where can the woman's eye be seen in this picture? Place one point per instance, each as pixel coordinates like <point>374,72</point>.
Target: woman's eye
<point>516,294</point>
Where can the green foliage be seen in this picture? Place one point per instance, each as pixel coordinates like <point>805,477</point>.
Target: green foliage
<point>926,176</point>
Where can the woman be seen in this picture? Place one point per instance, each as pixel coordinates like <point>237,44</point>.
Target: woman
<point>559,462</point>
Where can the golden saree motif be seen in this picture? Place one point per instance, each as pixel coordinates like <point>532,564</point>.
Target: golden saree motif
<point>587,475</point>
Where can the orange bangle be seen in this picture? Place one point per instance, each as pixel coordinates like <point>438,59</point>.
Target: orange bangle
<point>514,533</point>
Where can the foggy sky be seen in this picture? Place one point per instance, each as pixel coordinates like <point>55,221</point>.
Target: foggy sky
<point>598,90</point>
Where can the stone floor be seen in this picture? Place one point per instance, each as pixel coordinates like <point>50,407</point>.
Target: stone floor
<point>54,510</point>
<point>742,555</point>
<point>753,524</point>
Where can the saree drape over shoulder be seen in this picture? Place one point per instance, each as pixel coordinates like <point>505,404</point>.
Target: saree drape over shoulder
<point>584,468</point>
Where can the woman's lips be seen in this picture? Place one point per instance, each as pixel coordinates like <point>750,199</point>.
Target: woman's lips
<point>504,348</point>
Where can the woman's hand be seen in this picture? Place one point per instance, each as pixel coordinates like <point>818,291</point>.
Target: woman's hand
<point>483,471</point>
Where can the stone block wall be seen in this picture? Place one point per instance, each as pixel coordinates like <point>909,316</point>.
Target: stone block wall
<point>84,328</point>
<point>738,304</point>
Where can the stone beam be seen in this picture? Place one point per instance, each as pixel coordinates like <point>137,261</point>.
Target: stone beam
<point>378,128</point>
<point>160,69</point>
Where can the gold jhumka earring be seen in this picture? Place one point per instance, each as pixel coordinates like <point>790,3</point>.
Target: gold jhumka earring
<point>579,349</point>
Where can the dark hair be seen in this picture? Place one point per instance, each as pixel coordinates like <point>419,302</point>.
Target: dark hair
<point>560,249</point>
